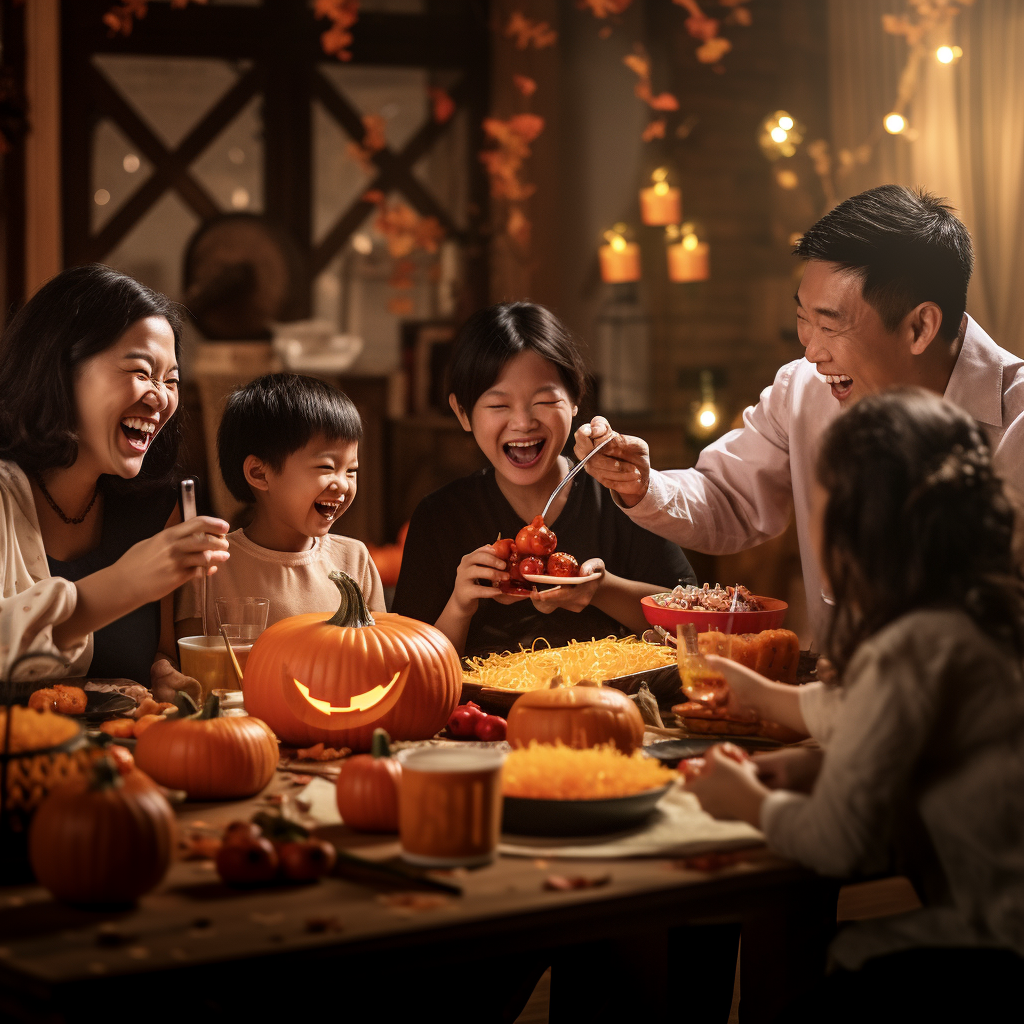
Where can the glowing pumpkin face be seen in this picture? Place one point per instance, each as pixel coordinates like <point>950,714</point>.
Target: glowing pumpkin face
<point>335,681</point>
<point>362,708</point>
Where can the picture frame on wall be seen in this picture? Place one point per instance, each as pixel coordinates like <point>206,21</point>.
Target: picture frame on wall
<point>426,348</point>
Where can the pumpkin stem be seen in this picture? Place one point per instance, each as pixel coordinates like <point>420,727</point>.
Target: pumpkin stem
<point>380,744</point>
<point>105,774</point>
<point>352,611</point>
<point>211,709</point>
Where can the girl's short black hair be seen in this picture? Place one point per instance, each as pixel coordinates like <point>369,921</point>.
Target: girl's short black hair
<point>78,314</point>
<point>493,336</point>
<point>276,415</point>
<point>915,518</point>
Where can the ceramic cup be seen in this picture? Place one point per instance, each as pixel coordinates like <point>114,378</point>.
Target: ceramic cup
<point>449,805</point>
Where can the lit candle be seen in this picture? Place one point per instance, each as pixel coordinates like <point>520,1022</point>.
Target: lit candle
<point>620,260</point>
<point>688,260</point>
<point>659,204</point>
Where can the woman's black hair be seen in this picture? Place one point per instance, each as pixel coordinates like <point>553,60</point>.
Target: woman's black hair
<point>276,415</point>
<point>915,518</point>
<point>493,336</point>
<point>76,315</point>
<point>907,246</point>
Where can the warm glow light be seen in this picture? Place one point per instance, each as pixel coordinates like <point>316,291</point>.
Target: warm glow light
<point>360,702</point>
<point>661,188</point>
<point>102,197</point>
<point>948,54</point>
<point>707,417</point>
<point>240,198</point>
<point>618,243</point>
<point>778,134</point>
<point>895,124</point>
<point>660,174</point>
<point>785,122</point>
<point>131,163</point>
<point>690,242</point>
<point>363,244</point>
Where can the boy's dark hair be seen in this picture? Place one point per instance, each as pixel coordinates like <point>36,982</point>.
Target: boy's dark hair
<point>76,315</point>
<point>915,519</point>
<point>493,336</point>
<point>276,415</point>
<point>907,246</point>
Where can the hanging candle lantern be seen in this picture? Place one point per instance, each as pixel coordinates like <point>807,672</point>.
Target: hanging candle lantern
<point>660,203</point>
<point>687,254</point>
<point>620,259</point>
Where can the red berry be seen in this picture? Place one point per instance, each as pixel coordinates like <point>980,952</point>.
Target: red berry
<point>491,728</point>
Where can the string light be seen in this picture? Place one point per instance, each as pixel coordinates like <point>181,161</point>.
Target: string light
<point>894,123</point>
<point>706,416</point>
<point>948,54</point>
<point>780,135</point>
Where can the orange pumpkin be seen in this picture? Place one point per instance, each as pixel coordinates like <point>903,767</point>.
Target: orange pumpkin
<point>209,757</point>
<point>104,838</point>
<point>584,715</point>
<point>335,681</point>
<point>367,788</point>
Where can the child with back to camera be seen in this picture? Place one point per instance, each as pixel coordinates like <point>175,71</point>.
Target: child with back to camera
<point>289,445</point>
<point>923,766</point>
<point>515,380</point>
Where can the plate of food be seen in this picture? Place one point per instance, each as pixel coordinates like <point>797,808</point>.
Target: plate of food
<point>561,581</point>
<point>561,791</point>
<point>721,609</point>
<point>671,752</point>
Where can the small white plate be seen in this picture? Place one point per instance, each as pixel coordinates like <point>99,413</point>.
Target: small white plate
<point>562,580</point>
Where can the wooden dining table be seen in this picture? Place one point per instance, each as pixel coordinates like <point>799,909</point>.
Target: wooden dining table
<point>628,937</point>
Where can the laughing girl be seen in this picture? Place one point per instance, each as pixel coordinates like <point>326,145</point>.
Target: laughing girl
<point>515,381</point>
<point>90,539</point>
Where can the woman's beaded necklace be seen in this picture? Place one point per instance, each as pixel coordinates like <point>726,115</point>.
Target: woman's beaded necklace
<point>56,508</point>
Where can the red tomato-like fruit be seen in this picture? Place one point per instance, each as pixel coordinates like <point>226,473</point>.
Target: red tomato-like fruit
<point>504,547</point>
<point>491,727</point>
<point>536,539</point>
<point>247,863</point>
<point>562,564</point>
<point>463,720</point>
<point>242,832</point>
<point>516,587</point>
<point>531,566</point>
<point>306,861</point>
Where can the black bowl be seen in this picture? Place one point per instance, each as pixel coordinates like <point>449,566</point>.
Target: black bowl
<point>525,816</point>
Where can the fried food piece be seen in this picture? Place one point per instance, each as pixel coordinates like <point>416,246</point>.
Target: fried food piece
<point>43,700</point>
<point>121,728</point>
<point>143,723</point>
<point>71,700</point>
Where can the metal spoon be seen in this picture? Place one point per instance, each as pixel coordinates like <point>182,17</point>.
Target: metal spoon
<point>572,472</point>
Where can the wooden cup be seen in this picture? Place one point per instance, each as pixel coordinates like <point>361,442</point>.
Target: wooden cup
<point>449,805</point>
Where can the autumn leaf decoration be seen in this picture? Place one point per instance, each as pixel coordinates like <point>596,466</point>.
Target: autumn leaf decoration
<point>121,17</point>
<point>525,33</point>
<point>639,63</point>
<point>342,14</point>
<point>504,165</point>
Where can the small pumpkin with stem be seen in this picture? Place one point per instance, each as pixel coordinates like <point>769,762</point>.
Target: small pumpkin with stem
<point>106,838</point>
<point>335,680</point>
<point>367,788</point>
<point>209,757</point>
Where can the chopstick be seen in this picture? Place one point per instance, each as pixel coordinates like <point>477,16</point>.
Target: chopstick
<point>394,871</point>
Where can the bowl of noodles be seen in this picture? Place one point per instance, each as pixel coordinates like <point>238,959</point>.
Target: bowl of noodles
<point>554,790</point>
<point>718,609</point>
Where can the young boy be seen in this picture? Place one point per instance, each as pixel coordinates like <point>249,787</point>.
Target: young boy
<point>290,446</point>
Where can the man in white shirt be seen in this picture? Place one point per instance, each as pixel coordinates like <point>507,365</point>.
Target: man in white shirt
<point>881,304</point>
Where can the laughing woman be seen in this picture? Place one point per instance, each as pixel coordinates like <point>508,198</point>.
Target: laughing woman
<point>91,543</point>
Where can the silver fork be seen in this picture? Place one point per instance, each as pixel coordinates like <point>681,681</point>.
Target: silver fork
<point>572,472</point>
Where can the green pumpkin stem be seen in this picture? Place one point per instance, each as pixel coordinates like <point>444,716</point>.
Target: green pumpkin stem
<point>380,745</point>
<point>352,611</point>
<point>211,709</point>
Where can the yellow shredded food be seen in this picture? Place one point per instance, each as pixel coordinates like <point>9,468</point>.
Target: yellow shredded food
<point>546,772</point>
<point>596,660</point>
<point>35,729</point>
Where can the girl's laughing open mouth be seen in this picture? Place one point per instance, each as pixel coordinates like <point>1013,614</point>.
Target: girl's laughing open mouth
<point>524,454</point>
<point>139,432</point>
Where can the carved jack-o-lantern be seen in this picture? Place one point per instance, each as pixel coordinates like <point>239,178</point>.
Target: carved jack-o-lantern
<point>335,681</point>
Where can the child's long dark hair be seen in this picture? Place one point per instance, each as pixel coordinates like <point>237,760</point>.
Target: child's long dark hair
<point>915,519</point>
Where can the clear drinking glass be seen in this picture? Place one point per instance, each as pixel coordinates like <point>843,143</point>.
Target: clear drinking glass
<point>244,618</point>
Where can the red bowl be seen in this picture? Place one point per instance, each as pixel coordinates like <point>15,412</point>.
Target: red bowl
<point>771,617</point>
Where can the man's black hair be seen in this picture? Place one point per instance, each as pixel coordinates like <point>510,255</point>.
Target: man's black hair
<point>907,246</point>
<point>493,336</point>
<point>276,415</point>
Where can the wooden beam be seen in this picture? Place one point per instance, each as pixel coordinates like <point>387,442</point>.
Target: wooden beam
<point>42,145</point>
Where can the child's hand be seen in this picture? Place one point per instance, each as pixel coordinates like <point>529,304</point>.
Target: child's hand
<point>471,578</point>
<point>624,466</point>
<point>727,788</point>
<point>794,768</point>
<point>573,598</point>
<point>746,687</point>
<point>159,564</point>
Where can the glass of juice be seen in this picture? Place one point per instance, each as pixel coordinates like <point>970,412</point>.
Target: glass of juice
<point>206,658</point>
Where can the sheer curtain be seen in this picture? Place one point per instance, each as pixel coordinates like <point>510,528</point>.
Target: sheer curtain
<point>967,138</point>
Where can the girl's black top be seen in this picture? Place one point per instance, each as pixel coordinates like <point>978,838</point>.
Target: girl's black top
<point>471,512</point>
